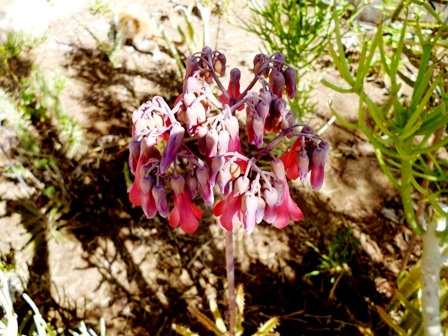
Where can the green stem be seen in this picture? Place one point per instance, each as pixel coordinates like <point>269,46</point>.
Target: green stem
<point>406,192</point>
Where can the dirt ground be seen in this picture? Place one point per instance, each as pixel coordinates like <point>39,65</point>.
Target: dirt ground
<point>107,260</point>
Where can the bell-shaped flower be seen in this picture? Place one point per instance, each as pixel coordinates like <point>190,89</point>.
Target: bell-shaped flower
<point>202,173</point>
<point>192,185</point>
<point>317,169</point>
<point>303,163</point>
<point>278,168</point>
<point>290,160</point>
<point>159,194</point>
<point>215,166</point>
<point>223,142</point>
<point>229,211</point>
<point>184,213</point>
<point>211,140</point>
<point>134,154</point>
<point>172,147</point>
<point>286,210</point>
<point>249,208</point>
<point>277,82</point>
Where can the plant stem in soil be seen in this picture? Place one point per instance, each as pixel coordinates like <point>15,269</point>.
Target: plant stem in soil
<point>230,267</point>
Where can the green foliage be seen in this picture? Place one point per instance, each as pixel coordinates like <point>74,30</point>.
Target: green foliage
<point>408,131</point>
<point>11,326</point>
<point>406,304</point>
<point>340,253</point>
<point>300,30</point>
<point>218,328</point>
<point>100,7</point>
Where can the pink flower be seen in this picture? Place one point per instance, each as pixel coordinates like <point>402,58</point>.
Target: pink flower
<point>290,160</point>
<point>229,211</point>
<point>184,213</point>
<point>286,210</point>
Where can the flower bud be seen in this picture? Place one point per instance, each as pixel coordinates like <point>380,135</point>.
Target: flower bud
<point>189,98</point>
<point>258,127</point>
<point>241,185</point>
<point>177,183</point>
<point>211,139</point>
<point>249,205</point>
<point>279,106</point>
<point>159,194</point>
<point>318,157</point>
<point>232,126</point>
<point>270,213</point>
<point>277,82</point>
<point>170,152</point>
<point>263,110</point>
<point>223,179</point>
<point>216,165</point>
<point>234,84</point>
<point>266,97</point>
<point>259,214</point>
<point>202,139</point>
<point>223,142</point>
<point>290,81</point>
<point>279,61</point>
<point>270,196</point>
<point>219,64</point>
<point>303,163</point>
<point>134,154</point>
<point>278,168</point>
<point>146,183</point>
<point>326,148</point>
<point>191,66</point>
<point>307,130</point>
<point>192,185</point>
<point>280,187</point>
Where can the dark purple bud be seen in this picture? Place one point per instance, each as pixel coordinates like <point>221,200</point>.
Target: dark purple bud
<point>191,66</point>
<point>219,64</point>
<point>317,177</point>
<point>290,81</point>
<point>263,110</point>
<point>279,106</point>
<point>170,152</point>
<point>279,61</point>
<point>277,82</point>
<point>326,148</point>
<point>266,97</point>
<point>307,130</point>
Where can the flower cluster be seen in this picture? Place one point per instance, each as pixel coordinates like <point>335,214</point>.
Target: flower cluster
<point>195,147</point>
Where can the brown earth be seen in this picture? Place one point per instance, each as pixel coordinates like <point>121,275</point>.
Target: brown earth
<point>107,260</point>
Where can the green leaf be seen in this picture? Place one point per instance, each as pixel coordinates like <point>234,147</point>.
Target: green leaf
<point>205,321</point>
<point>386,318</point>
<point>267,327</point>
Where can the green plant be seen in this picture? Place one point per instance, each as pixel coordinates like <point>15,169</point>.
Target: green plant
<point>10,325</point>
<point>408,132</point>
<point>218,327</point>
<point>100,7</point>
<point>298,29</point>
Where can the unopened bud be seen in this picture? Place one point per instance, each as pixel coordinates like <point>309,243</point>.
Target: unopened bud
<point>202,174</point>
<point>212,139</point>
<point>191,65</point>
<point>277,82</point>
<point>146,183</point>
<point>278,168</point>
<point>280,187</point>
<point>318,157</point>
<point>266,97</point>
<point>177,183</point>
<point>303,163</point>
<point>219,64</point>
<point>290,81</point>
<point>216,165</point>
<point>258,127</point>
<point>223,142</point>
<point>232,126</point>
<point>279,106</point>
<point>241,185</point>
<point>263,110</point>
<point>270,196</point>
<point>259,214</point>
<point>159,194</point>
<point>223,179</point>
<point>192,185</point>
<point>307,130</point>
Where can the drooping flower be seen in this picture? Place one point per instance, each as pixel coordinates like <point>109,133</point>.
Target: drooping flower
<point>229,211</point>
<point>184,213</point>
<point>286,210</point>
